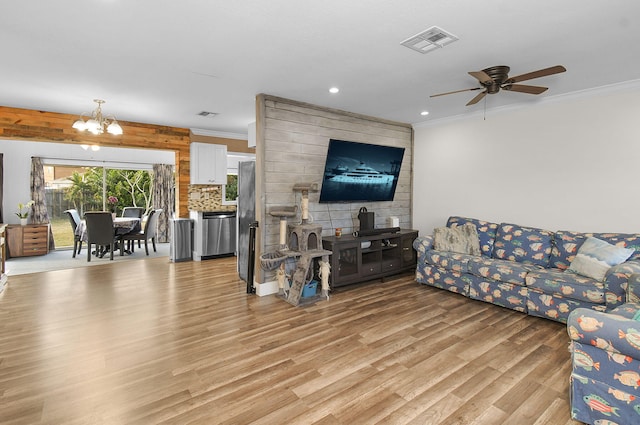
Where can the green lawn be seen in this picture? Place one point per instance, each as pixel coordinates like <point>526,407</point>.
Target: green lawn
<point>62,232</point>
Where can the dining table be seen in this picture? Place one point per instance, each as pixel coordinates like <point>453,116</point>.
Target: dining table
<point>121,226</point>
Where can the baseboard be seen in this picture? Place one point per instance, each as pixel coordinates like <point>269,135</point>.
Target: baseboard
<point>266,288</point>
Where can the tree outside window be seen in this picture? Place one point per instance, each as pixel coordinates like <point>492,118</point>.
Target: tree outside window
<point>231,190</point>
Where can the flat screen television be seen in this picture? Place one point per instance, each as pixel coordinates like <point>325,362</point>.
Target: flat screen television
<point>356,172</point>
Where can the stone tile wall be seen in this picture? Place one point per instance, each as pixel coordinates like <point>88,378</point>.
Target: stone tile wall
<point>203,197</point>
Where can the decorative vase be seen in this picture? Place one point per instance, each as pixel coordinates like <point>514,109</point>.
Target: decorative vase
<point>23,221</point>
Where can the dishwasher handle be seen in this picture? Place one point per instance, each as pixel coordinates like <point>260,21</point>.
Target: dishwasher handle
<point>215,215</point>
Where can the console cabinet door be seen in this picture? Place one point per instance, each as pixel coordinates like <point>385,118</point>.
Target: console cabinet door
<point>208,163</point>
<point>409,255</point>
<point>345,265</point>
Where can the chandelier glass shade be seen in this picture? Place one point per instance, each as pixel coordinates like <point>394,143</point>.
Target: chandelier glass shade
<point>97,123</point>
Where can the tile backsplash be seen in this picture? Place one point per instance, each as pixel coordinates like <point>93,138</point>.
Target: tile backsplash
<point>204,197</point>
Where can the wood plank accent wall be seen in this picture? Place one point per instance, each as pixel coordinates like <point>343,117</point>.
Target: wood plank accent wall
<point>31,125</point>
<point>292,143</point>
<point>233,145</point>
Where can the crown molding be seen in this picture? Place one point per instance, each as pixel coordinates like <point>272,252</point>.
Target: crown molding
<point>596,91</point>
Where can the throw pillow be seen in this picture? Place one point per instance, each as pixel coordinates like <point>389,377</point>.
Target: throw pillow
<point>486,231</point>
<point>462,239</point>
<point>595,257</point>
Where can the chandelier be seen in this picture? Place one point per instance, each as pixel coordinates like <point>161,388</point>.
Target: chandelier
<point>97,123</point>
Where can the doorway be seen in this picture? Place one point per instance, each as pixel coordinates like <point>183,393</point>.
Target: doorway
<point>92,188</point>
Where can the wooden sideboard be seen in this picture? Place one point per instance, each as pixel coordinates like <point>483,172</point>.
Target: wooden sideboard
<point>28,240</point>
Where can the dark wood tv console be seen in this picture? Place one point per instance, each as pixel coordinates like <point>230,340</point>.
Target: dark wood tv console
<point>358,259</point>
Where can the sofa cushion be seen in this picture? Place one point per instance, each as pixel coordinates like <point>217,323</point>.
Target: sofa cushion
<point>566,284</point>
<point>444,279</point>
<point>595,257</point>
<point>499,270</point>
<point>528,245</point>
<point>566,245</point>
<point>504,294</point>
<point>462,239</point>
<point>447,260</point>
<point>556,307</point>
<point>486,231</point>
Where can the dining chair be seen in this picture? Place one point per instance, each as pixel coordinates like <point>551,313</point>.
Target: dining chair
<point>133,212</point>
<point>74,219</point>
<point>100,232</point>
<point>149,232</point>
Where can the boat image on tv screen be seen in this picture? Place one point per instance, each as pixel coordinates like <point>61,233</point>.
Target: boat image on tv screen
<point>360,172</point>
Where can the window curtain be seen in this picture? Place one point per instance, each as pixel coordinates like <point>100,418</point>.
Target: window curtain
<point>163,197</point>
<point>39,214</point>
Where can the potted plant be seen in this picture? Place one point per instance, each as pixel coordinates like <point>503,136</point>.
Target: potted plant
<point>112,201</point>
<point>23,211</point>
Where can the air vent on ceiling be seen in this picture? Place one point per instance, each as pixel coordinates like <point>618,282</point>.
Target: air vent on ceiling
<point>429,40</point>
<point>207,114</point>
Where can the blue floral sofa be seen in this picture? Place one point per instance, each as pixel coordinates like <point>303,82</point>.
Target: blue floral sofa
<point>605,353</point>
<point>525,269</point>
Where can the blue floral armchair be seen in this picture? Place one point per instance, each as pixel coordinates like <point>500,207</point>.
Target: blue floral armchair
<point>605,350</point>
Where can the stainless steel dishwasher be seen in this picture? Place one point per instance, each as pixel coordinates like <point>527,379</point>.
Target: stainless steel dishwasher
<point>218,233</point>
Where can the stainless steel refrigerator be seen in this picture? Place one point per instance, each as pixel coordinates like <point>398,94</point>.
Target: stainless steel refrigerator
<point>245,213</point>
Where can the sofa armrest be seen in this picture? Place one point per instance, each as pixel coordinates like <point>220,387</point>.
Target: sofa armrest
<point>422,244</point>
<point>633,290</point>
<point>616,283</point>
<point>609,332</point>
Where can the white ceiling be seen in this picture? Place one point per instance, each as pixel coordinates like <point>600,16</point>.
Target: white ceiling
<point>163,61</point>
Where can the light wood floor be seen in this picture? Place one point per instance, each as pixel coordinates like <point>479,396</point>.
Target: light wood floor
<point>146,342</point>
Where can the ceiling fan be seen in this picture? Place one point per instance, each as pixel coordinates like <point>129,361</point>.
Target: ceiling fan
<point>497,77</point>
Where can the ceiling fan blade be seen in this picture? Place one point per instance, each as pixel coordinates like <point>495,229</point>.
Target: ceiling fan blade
<point>521,88</point>
<point>481,76</point>
<point>537,74</point>
<point>457,91</point>
<point>477,99</point>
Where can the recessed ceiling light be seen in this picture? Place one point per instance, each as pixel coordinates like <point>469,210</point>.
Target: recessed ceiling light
<point>334,90</point>
<point>424,113</point>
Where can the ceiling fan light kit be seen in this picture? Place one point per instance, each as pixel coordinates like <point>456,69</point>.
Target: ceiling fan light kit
<point>494,78</point>
<point>98,123</point>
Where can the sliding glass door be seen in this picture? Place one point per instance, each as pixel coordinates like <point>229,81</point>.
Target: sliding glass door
<point>92,188</point>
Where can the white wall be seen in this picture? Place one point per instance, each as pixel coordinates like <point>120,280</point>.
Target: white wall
<point>17,165</point>
<point>568,163</point>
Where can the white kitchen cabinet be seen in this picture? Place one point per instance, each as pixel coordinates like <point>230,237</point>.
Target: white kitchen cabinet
<point>208,163</point>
